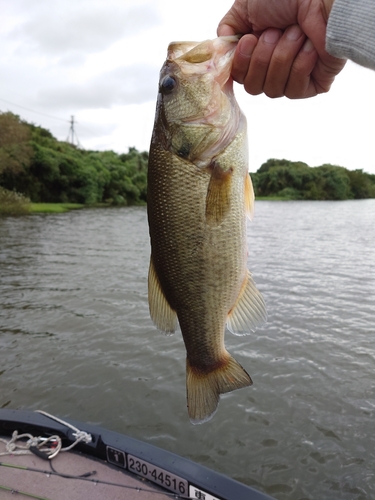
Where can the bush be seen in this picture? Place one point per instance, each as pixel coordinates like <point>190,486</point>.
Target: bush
<point>13,203</point>
<point>289,194</point>
<point>296,180</point>
<point>51,171</point>
<point>34,163</point>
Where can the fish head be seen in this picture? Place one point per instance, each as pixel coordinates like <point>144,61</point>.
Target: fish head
<point>197,114</point>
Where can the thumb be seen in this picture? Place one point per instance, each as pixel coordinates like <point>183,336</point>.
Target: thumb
<point>225,30</point>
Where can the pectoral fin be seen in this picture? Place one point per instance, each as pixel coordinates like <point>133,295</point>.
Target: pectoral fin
<point>249,311</point>
<point>249,197</point>
<point>218,195</point>
<point>164,317</point>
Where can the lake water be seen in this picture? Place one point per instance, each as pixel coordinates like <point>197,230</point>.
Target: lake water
<point>76,340</point>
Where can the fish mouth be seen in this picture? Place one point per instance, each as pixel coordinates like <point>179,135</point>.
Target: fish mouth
<point>215,54</point>
<point>210,56</point>
<point>219,114</point>
<point>177,49</point>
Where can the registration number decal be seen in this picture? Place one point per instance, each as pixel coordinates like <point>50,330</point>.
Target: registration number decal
<point>157,475</point>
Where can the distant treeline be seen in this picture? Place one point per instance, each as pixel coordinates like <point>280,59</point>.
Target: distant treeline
<point>298,181</point>
<point>34,163</point>
<point>43,169</point>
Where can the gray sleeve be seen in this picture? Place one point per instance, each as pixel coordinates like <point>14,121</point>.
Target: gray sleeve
<point>351,31</point>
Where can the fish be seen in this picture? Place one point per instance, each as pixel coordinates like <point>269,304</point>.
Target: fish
<point>199,196</point>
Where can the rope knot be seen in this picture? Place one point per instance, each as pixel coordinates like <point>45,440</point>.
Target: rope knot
<point>82,436</point>
<point>11,447</point>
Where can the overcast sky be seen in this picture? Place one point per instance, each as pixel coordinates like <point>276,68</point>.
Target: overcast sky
<point>99,60</point>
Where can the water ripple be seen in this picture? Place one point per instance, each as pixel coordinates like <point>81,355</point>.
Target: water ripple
<point>76,340</point>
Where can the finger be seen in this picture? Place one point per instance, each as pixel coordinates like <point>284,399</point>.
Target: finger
<point>300,83</point>
<point>242,57</point>
<point>235,21</point>
<point>225,30</point>
<point>282,61</point>
<point>260,60</point>
<point>325,71</point>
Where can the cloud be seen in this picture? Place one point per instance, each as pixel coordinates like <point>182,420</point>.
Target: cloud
<point>99,60</point>
<point>134,84</point>
<point>82,54</point>
<point>81,27</point>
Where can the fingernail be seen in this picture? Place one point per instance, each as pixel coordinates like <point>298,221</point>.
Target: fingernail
<point>246,46</point>
<point>271,36</point>
<point>293,33</point>
<point>308,46</point>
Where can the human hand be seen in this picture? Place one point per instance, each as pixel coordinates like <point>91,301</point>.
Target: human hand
<point>282,51</point>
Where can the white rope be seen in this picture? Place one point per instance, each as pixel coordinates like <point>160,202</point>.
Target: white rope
<point>50,446</point>
<point>17,446</point>
<point>79,435</point>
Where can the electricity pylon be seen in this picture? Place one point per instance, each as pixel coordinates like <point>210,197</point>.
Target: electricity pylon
<point>72,136</point>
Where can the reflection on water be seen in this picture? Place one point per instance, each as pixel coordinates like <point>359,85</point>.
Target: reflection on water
<point>76,340</point>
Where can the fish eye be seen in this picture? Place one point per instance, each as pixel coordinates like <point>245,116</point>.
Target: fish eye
<point>168,84</point>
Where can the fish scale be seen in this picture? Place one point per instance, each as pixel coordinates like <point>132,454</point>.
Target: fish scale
<point>197,207</point>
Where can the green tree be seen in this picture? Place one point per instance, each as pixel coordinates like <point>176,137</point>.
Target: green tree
<point>15,151</point>
<point>60,172</point>
<point>362,184</point>
<point>296,180</point>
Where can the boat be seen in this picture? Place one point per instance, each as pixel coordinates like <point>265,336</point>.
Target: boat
<point>45,457</point>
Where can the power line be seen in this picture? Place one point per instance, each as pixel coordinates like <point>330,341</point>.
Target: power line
<point>72,136</point>
<point>33,111</point>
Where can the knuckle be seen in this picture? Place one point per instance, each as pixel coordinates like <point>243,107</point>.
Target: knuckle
<point>293,95</point>
<point>260,61</point>
<point>252,89</point>
<point>273,94</point>
<point>254,82</point>
<point>274,90</point>
<point>279,58</point>
<point>238,76</point>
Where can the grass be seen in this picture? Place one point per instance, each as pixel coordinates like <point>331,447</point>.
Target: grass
<point>272,198</point>
<point>58,208</point>
<point>13,203</point>
<point>54,208</point>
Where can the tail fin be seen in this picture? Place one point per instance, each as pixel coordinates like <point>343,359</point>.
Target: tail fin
<point>204,388</point>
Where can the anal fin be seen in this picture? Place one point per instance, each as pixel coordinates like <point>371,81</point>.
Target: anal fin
<point>249,312</point>
<point>164,317</point>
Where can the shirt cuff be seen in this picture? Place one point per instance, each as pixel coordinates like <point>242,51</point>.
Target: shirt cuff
<point>351,31</point>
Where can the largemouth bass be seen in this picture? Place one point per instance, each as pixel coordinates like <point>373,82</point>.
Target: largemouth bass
<point>199,193</point>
